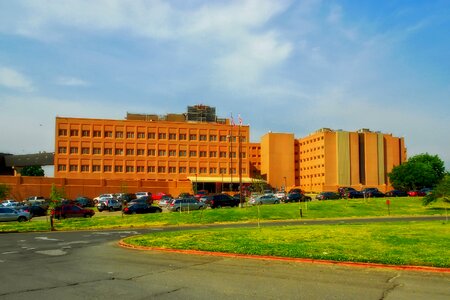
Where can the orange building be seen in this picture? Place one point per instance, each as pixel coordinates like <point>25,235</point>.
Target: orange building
<point>328,159</point>
<point>196,146</point>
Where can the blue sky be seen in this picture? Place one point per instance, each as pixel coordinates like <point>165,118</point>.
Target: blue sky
<point>284,66</point>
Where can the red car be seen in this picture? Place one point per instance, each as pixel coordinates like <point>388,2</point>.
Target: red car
<point>200,194</point>
<point>416,194</point>
<point>159,195</point>
<point>71,211</point>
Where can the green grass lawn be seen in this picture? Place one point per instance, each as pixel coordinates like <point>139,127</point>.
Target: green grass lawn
<point>405,243</point>
<point>312,210</point>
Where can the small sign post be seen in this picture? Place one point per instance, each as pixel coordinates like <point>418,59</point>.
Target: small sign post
<point>388,203</point>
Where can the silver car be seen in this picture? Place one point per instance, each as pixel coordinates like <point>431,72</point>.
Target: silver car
<point>264,199</point>
<point>185,204</point>
<point>11,214</point>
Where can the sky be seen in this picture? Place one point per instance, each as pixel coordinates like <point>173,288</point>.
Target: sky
<point>283,66</point>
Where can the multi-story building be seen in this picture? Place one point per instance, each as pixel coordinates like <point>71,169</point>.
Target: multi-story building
<point>197,146</point>
<point>328,159</point>
<point>216,155</point>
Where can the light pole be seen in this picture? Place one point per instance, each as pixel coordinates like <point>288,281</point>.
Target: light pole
<point>285,184</point>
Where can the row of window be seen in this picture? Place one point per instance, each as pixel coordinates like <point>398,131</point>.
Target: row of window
<point>150,135</point>
<point>312,167</point>
<point>312,175</point>
<point>312,158</point>
<point>148,169</point>
<point>311,141</point>
<point>311,150</point>
<point>149,152</point>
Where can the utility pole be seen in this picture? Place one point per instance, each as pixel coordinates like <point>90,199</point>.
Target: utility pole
<point>241,199</point>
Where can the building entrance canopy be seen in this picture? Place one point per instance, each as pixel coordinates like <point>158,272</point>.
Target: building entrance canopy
<point>227,179</point>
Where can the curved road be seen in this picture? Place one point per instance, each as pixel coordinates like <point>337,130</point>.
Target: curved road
<point>91,265</point>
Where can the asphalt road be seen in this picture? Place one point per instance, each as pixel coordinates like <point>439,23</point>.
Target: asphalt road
<point>91,265</point>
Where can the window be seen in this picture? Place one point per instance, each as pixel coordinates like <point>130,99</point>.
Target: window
<point>96,151</point>
<point>151,169</point>
<point>84,150</point>
<point>213,138</point>
<point>107,168</point>
<point>62,150</point>
<point>161,169</point>
<point>161,136</point>
<point>202,137</point>
<point>172,153</point>
<point>182,137</point>
<point>118,168</point>
<point>129,169</point>
<point>108,134</point>
<point>97,133</point>
<point>172,136</point>
<point>182,153</point>
<point>74,132</point>
<point>233,154</point>
<point>140,152</point>
<point>119,134</point>
<point>182,170</point>
<point>172,170</point>
<point>192,137</point>
<point>130,135</point>
<point>223,138</point>
<point>73,150</point>
<point>130,151</point>
<point>73,168</point>
<point>202,170</point>
<point>96,168</point>
<point>84,168</point>
<point>118,151</point>
<point>192,153</point>
<point>140,169</point>
<point>62,132</point>
<point>233,171</point>
<point>151,135</point>
<point>222,154</point>
<point>212,154</point>
<point>202,153</point>
<point>61,167</point>
<point>151,152</point>
<point>243,155</point>
<point>161,152</point>
<point>85,133</point>
<point>223,170</point>
<point>141,135</point>
<point>213,170</point>
<point>192,170</point>
<point>107,151</point>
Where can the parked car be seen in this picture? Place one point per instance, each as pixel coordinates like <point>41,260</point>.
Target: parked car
<point>165,201</point>
<point>9,203</point>
<point>220,200</point>
<point>296,197</point>
<point>84,202</point>
<point>296,190</point>
<point>144,199</point>
<point>71,211</point>
<point>185,204</point>
<point>142,194</point>
<point>34,210</point>
<point>416,193</point>
<point>96,199</point>
<point>200,194</point>
<point>346,191</point>
<point>328,196</point>
<point>427,191</point>
<point>396,193</point>
<point>110,204</point>
<point>10,214</point>
<point>264,199</point>
<point>158,196</point>
<point>237,197</point>
<point>354,194</point>
<point>141,208</point>
<point>281,195</point>
<point>125,197</point>
<point>372,193</point>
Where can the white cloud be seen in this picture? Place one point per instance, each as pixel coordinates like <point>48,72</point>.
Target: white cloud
<point>71,81</point>
<point>13,79</point>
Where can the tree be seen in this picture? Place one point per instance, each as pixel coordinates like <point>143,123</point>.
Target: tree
<point>442,190</point>
<point>32,171</point>
<point>56,194</point>
<point>423,170</point>
<point>4,190</point>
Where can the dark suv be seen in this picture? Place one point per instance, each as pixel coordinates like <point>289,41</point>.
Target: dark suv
<point>219,200</point>
<point>372,192</point>
<point>296,197</point>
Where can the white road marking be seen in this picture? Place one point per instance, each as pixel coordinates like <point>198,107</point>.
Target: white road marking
<point>74,242</point>
<point>54,252</point>
<point>10,252</point>
<point>44,238</point>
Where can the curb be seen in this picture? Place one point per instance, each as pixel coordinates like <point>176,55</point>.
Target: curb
<point>290,259</point>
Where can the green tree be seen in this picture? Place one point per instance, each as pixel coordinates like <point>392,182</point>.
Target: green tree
<point>32,171</point>
<point>441,191</point>
<point>4,190</point>
<point>423,170</point>
<point>56,194</point>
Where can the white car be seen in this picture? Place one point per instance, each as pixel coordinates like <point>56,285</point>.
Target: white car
<point>9,203</point>
<point>280,195</point>
<point>11,214</point>
<point>142,194</point>
<point>96,199</point>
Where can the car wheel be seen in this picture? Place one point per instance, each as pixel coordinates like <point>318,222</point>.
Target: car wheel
<point>159,210</point>
<point>276,202</point>
<point>177,209</point>
<point>111,209</point>
<point>100,210</point>
<point>87,215</point>
<point>133,213</point>
<point>201,207</point>
<point>22,219</point>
